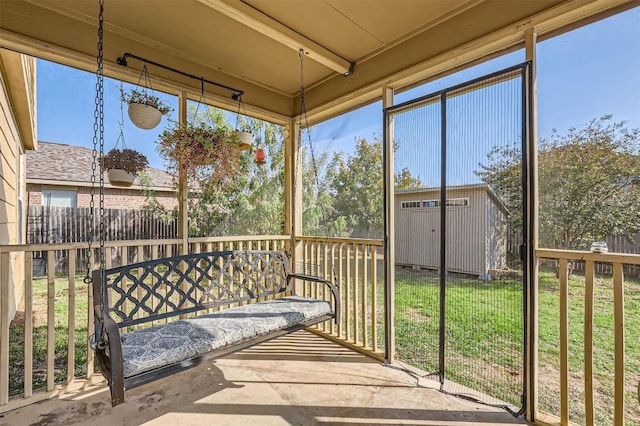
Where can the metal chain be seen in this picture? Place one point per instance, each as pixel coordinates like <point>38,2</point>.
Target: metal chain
<point>98,132</point>
<point>303,116</point>
<point>120,139</point>
<point>147,80</point>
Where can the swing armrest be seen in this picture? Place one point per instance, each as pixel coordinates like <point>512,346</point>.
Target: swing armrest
<point>331,285</point>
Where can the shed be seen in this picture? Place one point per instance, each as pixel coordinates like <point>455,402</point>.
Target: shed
<point>476,239</point>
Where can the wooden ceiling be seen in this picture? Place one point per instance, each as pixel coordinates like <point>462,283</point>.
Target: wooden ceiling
<point>254,44</point>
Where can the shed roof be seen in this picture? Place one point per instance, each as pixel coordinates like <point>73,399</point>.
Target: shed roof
<point>62,164</point>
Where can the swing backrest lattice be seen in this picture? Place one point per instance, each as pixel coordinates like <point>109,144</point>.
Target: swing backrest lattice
<point>163,288</point>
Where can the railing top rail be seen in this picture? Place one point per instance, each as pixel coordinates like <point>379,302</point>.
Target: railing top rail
<point>239,238</point>
<point>626,258</point>
<point>370,242</point>
<point>84,245</point>
<point>133,243</point>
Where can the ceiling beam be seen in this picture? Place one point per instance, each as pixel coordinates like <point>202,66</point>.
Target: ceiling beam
<point>284,35</point>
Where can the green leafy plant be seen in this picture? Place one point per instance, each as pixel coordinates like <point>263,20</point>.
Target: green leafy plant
<point>137,96</point>
<point>126,159</point>
<point>207,154</point>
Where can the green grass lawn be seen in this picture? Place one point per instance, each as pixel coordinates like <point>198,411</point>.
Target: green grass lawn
<point>484,337</point>
<point>483,329</point>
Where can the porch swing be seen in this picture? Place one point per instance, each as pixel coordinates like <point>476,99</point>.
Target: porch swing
<point>158,317</point>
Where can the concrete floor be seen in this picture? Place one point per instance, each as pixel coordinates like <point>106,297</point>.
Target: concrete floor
<point>300,379</point>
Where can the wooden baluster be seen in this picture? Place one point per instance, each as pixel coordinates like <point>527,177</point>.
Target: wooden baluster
<point>589,274</point>
<point>71,323</point>
<point>564,342</point>
<point>5,275</point>
<point>51,319</point>
<point>28,324</point>
<point>363,298</point>
<point>374,299</point>
<point>618,316</point>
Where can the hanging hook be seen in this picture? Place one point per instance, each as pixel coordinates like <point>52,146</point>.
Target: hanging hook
<point>238,113</point>
<point>201,100</point>
<point>121,122</point>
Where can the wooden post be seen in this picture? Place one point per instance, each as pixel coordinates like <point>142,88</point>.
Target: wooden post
<point>183,187</point>
<point>389,238</point>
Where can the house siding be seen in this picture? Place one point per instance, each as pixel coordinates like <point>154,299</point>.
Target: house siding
<point>16,130</point>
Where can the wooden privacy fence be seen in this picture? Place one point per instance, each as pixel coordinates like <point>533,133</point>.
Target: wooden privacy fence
<point>56,225</point>
<point>72,224</point>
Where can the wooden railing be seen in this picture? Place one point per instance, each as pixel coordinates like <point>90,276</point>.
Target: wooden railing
<point>564,258</point>
<point>356,266</point>
<point>63,304</point>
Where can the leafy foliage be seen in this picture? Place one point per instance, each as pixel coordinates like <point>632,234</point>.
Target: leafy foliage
<point>206,154</point>
<point>142,96</point>
<point>405,180</point>
<point>589,183</point>
<point>127,159</point>
<point>357,189</point>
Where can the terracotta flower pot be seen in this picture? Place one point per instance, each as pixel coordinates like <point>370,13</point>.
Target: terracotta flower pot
<point>144,116</point>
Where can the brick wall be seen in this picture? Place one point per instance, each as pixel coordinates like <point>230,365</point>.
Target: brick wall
<point>113,198</point>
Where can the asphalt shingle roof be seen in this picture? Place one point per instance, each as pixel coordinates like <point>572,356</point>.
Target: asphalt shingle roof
<point>62,162</point>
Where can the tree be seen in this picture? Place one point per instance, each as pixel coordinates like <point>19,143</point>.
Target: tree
<point>318,215</point>
<point>357,189</point>
<point>348,199</point>
<point>589,183</point>
<point>253,202</point>
<point>405,180</point>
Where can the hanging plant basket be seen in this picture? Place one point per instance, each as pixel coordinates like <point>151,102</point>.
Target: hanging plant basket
<point>192,146</point>
<point>145,109</point>
<point>122,166</point>
<point>119,177</point>
<point>144,116</point>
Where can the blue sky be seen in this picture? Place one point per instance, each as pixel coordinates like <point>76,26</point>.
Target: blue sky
<point>582,75</point>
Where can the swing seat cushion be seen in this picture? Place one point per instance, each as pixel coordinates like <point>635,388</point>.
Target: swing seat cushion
<point>158,346</point>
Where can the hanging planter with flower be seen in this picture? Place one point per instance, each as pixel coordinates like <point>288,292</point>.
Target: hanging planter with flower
<point>145,108</point>
<point>205,153</point>
<point>123,165</point>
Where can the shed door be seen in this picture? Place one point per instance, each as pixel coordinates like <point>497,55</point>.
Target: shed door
<point>459,294</point>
